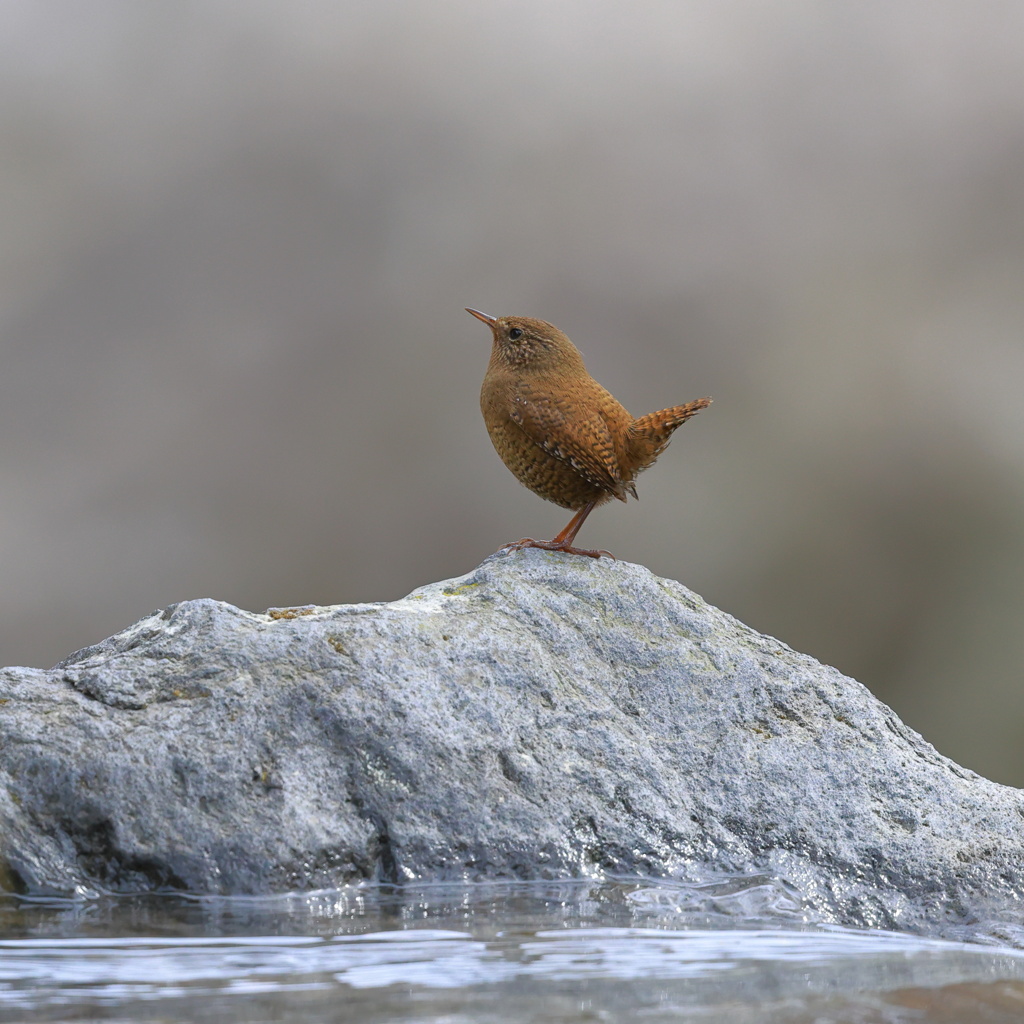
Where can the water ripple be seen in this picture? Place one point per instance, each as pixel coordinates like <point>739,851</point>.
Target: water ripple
<point>34,970</point>
<point>493,953</point>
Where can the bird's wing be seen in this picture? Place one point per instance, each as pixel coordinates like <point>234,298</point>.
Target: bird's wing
<point>572,433</point>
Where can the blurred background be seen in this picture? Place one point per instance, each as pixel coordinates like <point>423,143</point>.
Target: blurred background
<point>236,240</point>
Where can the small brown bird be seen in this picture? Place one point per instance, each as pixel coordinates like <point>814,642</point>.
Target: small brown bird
<point>558,430</point>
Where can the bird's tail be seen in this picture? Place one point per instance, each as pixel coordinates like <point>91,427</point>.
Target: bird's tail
<point>649,435</point>
<point>658,426</point>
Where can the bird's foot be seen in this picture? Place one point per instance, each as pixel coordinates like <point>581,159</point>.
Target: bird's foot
<point>555,545</point>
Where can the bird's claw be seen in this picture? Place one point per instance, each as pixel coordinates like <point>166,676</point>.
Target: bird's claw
<point>552,545</point>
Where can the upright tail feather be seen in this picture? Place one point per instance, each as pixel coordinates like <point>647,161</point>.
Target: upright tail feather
<point>658,426</point>
<point>649,435</point>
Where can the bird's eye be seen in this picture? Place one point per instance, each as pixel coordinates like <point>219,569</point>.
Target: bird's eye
<point>515,333</point>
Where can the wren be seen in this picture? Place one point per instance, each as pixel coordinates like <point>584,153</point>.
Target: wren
<point>558,430</point>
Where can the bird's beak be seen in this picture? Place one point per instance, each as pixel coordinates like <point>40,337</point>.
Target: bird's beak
<point>489,320</point>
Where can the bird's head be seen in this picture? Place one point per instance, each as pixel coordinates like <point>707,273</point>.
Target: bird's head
<point>524,343</point>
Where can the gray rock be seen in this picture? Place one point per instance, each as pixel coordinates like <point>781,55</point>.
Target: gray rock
<point>544,716</point>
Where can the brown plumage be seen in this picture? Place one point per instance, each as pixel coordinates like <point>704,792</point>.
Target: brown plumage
<point>558,430</point>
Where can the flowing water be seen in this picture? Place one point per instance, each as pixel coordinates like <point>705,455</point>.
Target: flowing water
<point>725,950</point>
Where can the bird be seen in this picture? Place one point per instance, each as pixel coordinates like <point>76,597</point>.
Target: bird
<point>560,433</point>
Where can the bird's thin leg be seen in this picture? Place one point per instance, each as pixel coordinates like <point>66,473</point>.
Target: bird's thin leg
<point>563,542</point>
<point>568,535</point>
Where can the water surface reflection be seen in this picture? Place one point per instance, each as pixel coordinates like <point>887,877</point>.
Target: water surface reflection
<point>719,950</point>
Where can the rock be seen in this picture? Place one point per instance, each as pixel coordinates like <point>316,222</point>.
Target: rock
<point>544,716</point>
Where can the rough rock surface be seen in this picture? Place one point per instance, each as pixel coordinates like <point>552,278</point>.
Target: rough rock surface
<point>546,715</point>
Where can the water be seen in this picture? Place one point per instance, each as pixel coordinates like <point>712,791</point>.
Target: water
<point>726,950</point>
